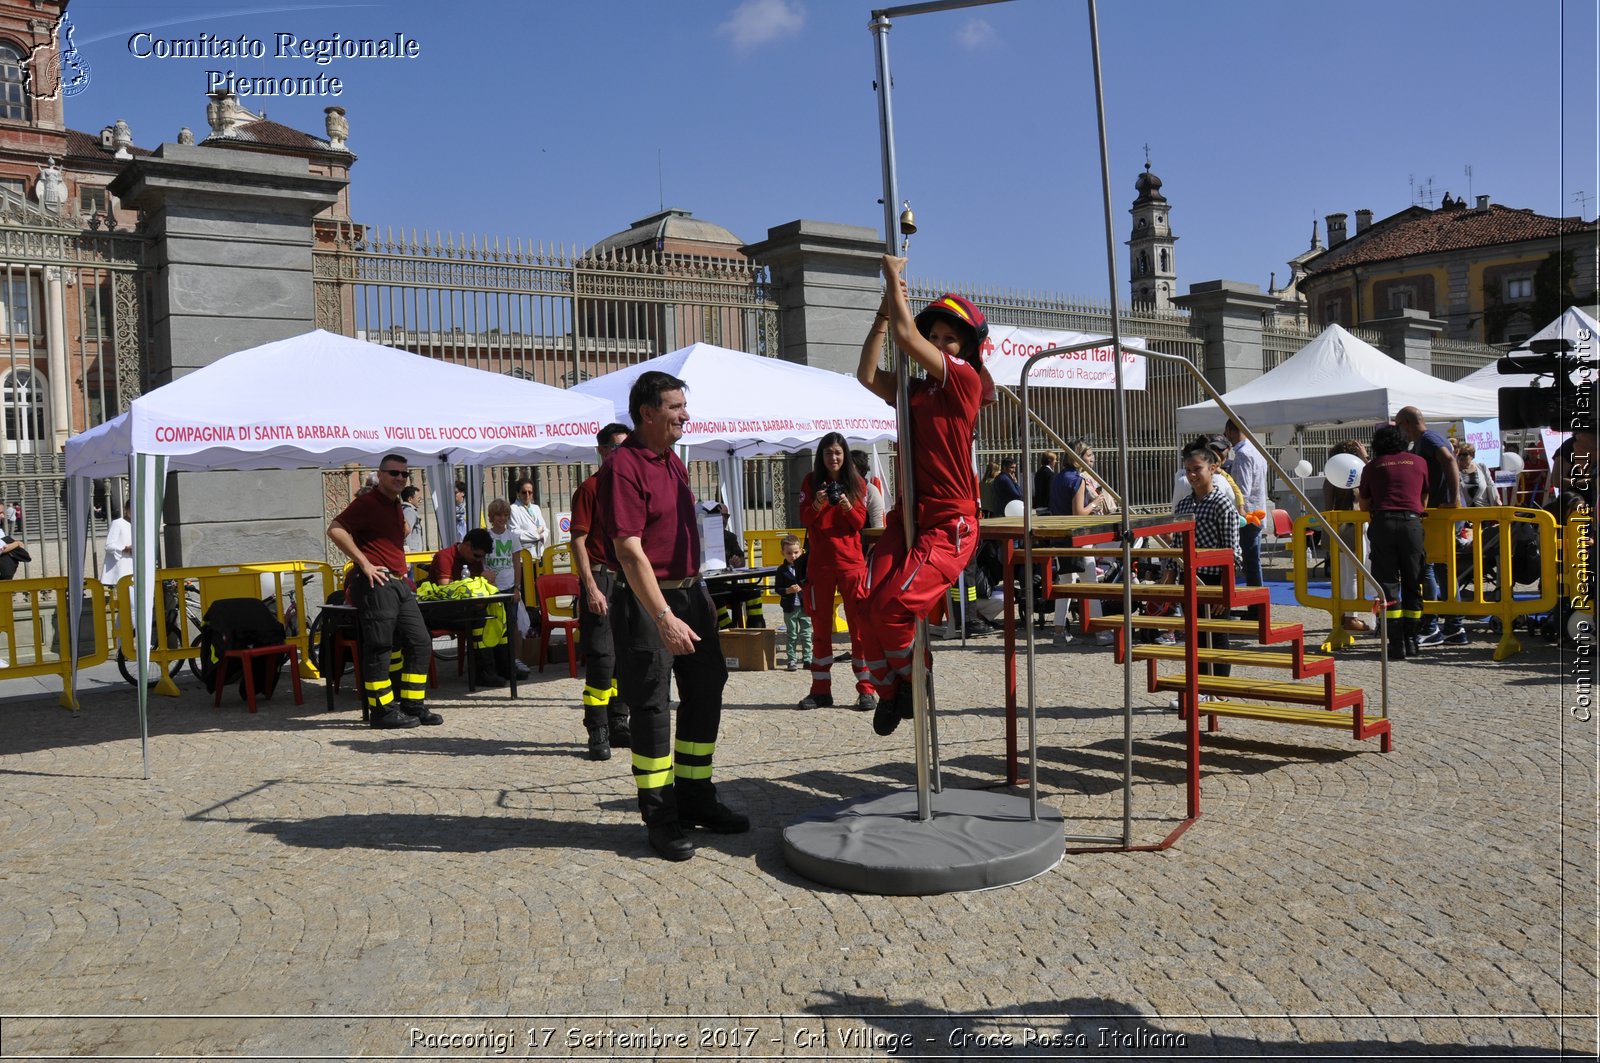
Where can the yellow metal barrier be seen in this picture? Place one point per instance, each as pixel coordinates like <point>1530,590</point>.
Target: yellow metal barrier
<point>763,549</point>
<point>39,653</point>
<point>1439,527</point>
<point>179,638</point>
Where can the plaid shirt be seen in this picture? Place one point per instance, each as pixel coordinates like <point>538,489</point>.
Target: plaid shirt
<point>1216,523</point>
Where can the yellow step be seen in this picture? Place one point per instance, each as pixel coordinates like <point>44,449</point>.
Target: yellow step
<point>1245,628</point>
<point>1342,718</point>
<point>1313,663</point>
<point>1144,592</point>
<point>1275,689</point>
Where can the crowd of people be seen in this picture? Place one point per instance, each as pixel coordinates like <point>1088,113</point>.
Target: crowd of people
<point>647,619</point>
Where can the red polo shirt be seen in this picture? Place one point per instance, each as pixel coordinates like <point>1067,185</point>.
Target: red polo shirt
<point>378,526</point>
<point>450,561</point>
<point>582,522</point>
<point>641,493</point>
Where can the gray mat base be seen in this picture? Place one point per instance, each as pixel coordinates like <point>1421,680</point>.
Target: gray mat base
<point>976,840</point>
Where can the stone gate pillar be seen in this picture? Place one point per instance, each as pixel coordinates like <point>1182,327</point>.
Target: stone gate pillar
<point>233,244</point>
<point>828,286</point>
<point>1228,315</point>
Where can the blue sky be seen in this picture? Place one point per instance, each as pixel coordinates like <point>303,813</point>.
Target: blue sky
<point>564,122</point>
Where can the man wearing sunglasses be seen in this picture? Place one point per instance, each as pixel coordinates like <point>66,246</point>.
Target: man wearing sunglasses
<point>371,532</point>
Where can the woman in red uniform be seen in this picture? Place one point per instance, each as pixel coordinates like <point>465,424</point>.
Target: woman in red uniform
<point>905,580</point>
<point>833,508</point>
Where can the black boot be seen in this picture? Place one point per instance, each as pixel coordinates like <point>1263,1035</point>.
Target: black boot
<point>659,807</point>
<point>502,661</point>
<point>488,674</point>
<point>698,807</point>
<point>1413,646</point>
<point>1396,650</point>
<point>594,721</point>
<point>621,731</point>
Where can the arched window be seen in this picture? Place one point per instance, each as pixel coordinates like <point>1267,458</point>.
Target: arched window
<point>14,99</point>
<point>23,391</point>
<point>1166,261</point>
<point>1144,264</point>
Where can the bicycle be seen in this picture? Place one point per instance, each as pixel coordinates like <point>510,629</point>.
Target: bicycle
<point>170,633</point>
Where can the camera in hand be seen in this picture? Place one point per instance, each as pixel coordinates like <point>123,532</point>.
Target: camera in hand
<point>1566,403</point>
<point>833,491</point>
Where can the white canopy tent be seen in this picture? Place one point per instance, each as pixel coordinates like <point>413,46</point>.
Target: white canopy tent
<point>1573,325</point>
<point>743,405</point>
<point>1337,378</point>
<point>315,400</point>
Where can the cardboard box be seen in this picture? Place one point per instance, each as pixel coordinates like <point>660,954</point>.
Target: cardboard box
<point>751,649</point>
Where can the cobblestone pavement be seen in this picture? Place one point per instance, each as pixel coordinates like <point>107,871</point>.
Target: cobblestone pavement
<point>294,884</point>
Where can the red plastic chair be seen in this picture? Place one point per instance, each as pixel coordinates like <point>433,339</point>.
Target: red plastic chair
<point>558,600</point>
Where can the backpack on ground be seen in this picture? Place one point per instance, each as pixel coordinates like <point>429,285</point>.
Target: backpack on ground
<point>236,624</point>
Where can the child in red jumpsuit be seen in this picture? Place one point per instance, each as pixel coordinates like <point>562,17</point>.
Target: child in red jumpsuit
<point>833,508</point>
<point>906,580</point>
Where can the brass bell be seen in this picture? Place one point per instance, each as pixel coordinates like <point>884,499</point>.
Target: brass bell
<point>908,221</point>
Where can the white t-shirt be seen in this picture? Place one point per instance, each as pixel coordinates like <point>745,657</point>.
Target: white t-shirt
<point>499,563</point>
<point>116,564</point>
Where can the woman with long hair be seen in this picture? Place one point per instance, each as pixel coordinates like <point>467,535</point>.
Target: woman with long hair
<point>906,580</point>
<point>833,508</point>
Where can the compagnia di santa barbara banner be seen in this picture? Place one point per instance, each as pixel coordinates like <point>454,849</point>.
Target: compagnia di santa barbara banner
<point>1009,347</point>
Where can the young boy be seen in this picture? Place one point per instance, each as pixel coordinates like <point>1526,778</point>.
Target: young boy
<point>788,581</point>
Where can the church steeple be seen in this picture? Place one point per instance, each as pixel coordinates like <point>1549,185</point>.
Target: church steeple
<point>1152,265</point>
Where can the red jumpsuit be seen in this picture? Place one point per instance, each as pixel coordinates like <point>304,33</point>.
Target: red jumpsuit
<point>835,563</point>
<point>905,583</point>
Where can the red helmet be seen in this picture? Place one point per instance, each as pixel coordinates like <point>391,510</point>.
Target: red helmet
<point>961,312</point>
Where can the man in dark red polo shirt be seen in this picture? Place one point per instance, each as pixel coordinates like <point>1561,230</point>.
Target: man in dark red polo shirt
<point>372,533</point>
<point>1394,489</point>
<point>666,627</point>
<point>605,714</point>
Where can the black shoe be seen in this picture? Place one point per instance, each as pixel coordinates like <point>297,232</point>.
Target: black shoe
<point>816,701</point>
<point>426,718</point>
<point>714,816</point>
<point>669,842</point>
<point>599,743</point>
<point>887,715</point>
<point>866,703</point>
<point>488,677</point>
<point>393,718</point>
<point>621,735</point>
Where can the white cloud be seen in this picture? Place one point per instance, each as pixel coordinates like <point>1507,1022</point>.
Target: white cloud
<point>977,34</point>
<point>757,22</point>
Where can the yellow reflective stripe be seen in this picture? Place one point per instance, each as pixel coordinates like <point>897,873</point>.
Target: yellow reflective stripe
<point>694,749</point>
<point>382,699</point>
<point>613,688</point>
<point>377,684</point>
<point>413,677</point>
<point>693,771</point>
<point>651,773</point>
<point>1411,614</point>
<point>407,694</point>
<point>595,696</point>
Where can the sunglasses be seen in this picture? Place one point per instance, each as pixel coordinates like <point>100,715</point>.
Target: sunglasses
<point>526,492</point>
<point>398,474</point>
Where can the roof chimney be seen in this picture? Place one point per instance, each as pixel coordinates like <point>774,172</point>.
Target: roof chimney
<point>1363,220</point>
<point>1483,202</point>
<point>1336,229</point>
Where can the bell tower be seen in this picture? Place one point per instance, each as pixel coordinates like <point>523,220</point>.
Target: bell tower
<point>1152,265</point>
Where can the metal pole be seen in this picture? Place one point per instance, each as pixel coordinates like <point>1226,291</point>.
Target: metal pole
<point>1120,413</point>
<point>902,409</point>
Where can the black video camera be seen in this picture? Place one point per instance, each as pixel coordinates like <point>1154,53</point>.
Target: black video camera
<point>1567,403</point>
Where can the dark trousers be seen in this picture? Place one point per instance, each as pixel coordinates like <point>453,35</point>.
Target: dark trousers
<point>1398,562</point>
<point>645,671</point>
<point>390,621</point>
<point>599,652</point>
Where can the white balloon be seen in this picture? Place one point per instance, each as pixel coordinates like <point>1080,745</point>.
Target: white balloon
<point>1302,469</point>
<point>1289,457</point>
<point>1343,470</point>
<point>1015,508</point>
<point>1510,462</point>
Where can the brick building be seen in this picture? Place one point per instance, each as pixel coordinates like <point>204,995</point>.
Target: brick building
<point>1491,273</point>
